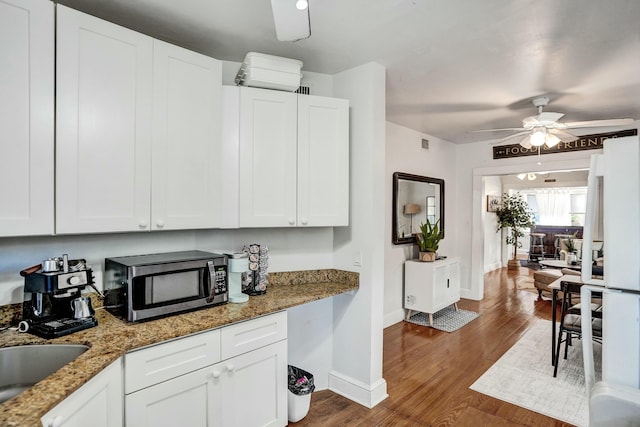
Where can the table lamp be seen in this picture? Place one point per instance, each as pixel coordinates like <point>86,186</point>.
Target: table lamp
<point>411,209</point>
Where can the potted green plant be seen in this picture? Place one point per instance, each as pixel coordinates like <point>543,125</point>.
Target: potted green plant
<point>515,216</point>
<point>428,240</point>
<point>571,244</point>
<point>572,250</point>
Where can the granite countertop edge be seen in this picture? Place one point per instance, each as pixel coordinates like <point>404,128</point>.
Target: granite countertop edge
<point>113,337</point>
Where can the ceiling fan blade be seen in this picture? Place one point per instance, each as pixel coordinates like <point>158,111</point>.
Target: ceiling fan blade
<point>531,122</point>
<point>497,130</point>
<point>548,116</point>
<point>564,136</point>
<point>600,123</point>
<point>506,138</point>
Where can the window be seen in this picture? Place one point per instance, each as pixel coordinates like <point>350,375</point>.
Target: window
<point>557,206</point>
<point>578,207</point>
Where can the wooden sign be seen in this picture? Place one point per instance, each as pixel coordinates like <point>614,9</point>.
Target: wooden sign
<point>586,142</point>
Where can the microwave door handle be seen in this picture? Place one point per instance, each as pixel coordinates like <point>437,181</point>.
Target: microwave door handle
<point>212,278</point>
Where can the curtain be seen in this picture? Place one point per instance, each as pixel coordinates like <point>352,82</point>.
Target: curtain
<point>553,206</point>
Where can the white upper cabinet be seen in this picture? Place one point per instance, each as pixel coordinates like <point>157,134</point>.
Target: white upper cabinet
<point>103,132</point>
<point>26,107</point>
<point>268,146</point>
<point>323,161</point>
<point>294,159</point>
<point>138,131</point>
<point>187,139</point>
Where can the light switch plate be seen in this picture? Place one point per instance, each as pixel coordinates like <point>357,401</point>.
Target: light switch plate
<point>357,259</point>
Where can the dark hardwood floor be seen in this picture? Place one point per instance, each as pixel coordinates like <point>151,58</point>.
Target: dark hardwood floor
<point>428,372</point>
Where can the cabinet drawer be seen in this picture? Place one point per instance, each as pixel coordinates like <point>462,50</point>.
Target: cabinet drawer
<point>161,362</point>
<point>246,336</point>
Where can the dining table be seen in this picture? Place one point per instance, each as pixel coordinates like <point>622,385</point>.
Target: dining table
<point>556,287</point>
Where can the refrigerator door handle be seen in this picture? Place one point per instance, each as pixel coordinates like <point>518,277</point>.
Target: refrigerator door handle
<point>590,218</point>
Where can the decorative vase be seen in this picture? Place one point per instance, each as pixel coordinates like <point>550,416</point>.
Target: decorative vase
<point>428,256</point>
<point>513,264</point>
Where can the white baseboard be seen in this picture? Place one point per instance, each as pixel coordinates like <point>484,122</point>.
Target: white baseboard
<point>491,267</point>
<point>392,318</point>
<point>364,394</point>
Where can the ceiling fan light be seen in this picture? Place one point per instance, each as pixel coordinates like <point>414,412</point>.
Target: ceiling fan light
<point>538,137</point>
<point>302,4</point>
<point>551,140</point>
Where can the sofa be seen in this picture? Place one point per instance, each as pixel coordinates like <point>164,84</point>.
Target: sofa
<point>543,278</point>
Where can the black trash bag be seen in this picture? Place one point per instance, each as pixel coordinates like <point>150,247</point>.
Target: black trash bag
<point>300,381</point>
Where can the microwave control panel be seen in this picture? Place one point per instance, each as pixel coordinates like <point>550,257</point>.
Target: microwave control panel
<point>218,274</point>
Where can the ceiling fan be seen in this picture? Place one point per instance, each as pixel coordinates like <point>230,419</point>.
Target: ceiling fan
<point>545,128</point>
<point>291,19</point>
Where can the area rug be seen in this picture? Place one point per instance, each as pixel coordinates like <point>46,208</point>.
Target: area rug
<point>533,265</point>
<point>447,319</point>
<point>523,376</point>
<point>525,283</point>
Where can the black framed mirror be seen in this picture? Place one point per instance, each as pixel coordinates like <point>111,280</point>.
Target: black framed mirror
<point>415,198</point>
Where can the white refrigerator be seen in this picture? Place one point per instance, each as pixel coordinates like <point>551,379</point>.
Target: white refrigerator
<point>615,400</point>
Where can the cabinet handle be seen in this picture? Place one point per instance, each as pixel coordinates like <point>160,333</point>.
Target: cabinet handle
<point>292,221</point>
<point>143,224</point>
<point>230,367</point>
<point>160,223</point>
<point>215,374</point>
<point>447,283</point>
<point>304,221</point>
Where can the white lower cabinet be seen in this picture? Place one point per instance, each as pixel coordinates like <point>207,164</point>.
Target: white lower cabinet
<point>431,286</point>
<point>98,403</point>
<point>246,387</point>
<point>245,390</point>
<point>253,388</point>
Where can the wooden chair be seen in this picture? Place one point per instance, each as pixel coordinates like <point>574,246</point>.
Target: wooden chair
<point>570,319</point>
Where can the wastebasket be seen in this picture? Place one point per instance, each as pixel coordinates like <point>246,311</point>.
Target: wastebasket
<point>299,396</point>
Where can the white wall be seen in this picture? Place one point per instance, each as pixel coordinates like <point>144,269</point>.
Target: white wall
<point>404,153</point>
<point>290,249</point>
<point>357,320</point>
<point>492,240</point>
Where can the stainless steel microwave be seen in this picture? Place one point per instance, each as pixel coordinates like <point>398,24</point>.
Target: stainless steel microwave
<point>147,286</point>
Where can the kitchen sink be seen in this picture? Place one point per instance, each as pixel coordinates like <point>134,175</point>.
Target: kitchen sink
<point>23,366</point>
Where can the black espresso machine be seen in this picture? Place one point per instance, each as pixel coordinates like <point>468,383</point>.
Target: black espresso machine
<point>53,305</point>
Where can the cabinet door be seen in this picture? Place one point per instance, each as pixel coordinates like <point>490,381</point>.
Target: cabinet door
<point>440,277</point>
<point>103,125</point>
<point>97,403</point>
<point>189,400</point>
<point>323,161</point>
<point>187,139</point>
<point>453,289</point>
<point>26,108</point>
<point>268,122</point>
<point>254,387</point>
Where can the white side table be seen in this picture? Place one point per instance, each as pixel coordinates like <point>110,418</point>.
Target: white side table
<point>431,286</point>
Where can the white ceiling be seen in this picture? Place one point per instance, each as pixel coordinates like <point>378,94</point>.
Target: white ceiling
<point>452,66</point>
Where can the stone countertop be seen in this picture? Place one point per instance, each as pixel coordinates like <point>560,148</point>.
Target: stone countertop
<point>113,337</point>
